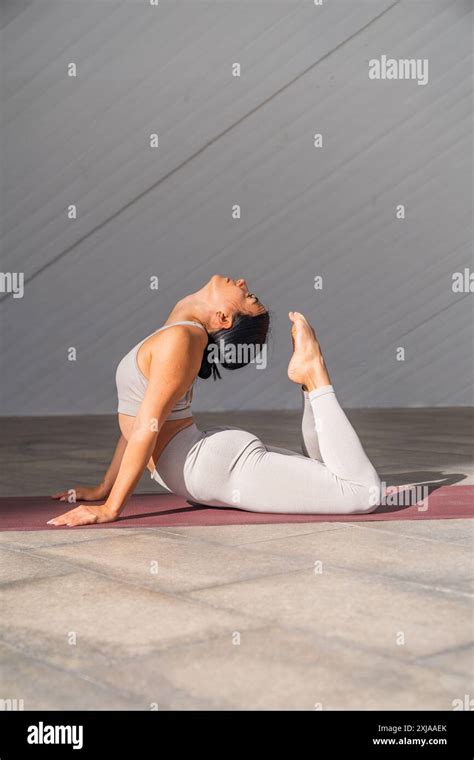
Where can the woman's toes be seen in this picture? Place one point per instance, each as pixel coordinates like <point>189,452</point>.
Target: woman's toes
<point>302,333</point>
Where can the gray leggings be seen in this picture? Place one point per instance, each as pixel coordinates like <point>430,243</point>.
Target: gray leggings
<point>230,467</point>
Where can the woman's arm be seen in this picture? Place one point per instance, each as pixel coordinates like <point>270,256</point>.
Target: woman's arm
<point>114,467</point>
<point>94,493</point>
<point>175,362</point>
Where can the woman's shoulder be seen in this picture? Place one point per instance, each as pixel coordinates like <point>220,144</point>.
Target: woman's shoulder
<point>178,334</point>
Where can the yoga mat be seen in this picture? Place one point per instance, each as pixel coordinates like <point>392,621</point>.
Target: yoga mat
<point>167,510</point>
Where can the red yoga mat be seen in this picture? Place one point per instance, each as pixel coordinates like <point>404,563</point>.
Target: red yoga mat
<point>167,510</point>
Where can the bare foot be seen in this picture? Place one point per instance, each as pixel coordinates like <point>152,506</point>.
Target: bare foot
<point>306,366</point>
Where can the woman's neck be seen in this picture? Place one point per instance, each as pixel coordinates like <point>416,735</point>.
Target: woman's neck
<point>193,308</point>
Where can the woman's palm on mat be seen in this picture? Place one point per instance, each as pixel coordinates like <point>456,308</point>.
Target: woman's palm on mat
<point>85,515</point>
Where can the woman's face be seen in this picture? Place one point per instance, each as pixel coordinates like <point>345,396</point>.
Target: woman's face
<point>235,295</point>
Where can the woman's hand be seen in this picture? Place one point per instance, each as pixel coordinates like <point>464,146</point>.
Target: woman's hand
<point>85,515</point>
<point>81,493</point>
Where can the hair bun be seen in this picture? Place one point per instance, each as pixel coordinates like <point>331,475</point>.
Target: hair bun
<point>208,368</point>
<point>246,330</point>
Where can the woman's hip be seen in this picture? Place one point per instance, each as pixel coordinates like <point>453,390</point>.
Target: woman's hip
<point>199,464</point>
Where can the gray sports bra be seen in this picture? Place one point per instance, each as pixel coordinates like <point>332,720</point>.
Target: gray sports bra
<point>132,383</point>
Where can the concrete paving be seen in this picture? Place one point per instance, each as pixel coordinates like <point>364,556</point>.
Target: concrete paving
<point>305,616</point>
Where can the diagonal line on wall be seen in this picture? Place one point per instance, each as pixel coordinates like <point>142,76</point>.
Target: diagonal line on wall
<point>436,314</point>
<point>10,9</point>
<point>201,150</point>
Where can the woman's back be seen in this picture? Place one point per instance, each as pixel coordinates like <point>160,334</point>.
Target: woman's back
<point>132,381</point>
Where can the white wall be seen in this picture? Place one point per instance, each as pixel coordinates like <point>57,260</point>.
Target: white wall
<point>306,211</point>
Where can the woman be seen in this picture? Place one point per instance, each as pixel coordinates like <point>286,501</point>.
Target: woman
<point>226,466</point>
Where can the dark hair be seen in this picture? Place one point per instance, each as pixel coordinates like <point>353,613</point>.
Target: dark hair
<point>246,331</point>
